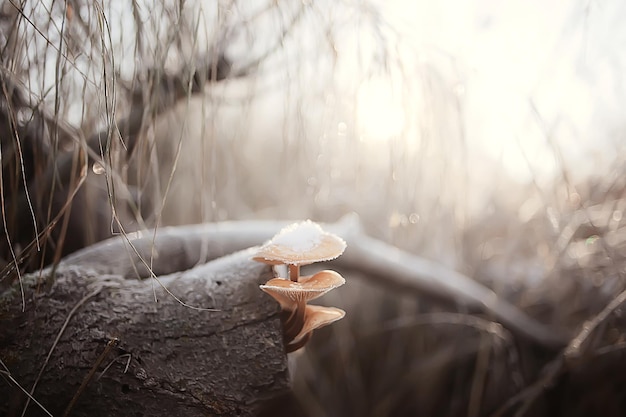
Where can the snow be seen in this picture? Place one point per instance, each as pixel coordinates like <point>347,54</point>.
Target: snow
<point>300,237</point>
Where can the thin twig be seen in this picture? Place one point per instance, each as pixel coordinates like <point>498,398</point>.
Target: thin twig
<point>128,358</point>
<point>576,349</point>
<point>528,396</point>
<point>576,346</point>
<point>112,343</point>
<point>56,340</point>
<point>7,373</point>
<point>377,260</point>
<point>480,375</point>
<point>405,270</point>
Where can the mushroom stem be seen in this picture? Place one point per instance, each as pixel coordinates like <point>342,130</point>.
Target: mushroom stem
<point>292,347</point>
<point>294,272</point>
<point>295,322</point>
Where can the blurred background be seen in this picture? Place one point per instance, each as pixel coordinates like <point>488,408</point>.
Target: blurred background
<point>487,136</point>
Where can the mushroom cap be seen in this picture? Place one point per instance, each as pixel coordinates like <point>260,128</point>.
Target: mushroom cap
<point>288,293</point>
<point>301,244</point>
<point>316,317</point>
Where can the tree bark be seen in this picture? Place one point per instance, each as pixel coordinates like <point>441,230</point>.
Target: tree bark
<point>182,247</point>
<point>183,360</point>
<point>103,347</point>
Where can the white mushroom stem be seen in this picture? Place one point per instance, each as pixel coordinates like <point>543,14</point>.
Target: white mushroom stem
<point>294,272</point>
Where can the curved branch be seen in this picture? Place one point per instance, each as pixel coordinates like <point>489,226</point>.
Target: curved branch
<point>183,247</point>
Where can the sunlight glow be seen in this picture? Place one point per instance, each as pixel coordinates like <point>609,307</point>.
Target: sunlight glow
<point>380,113</point>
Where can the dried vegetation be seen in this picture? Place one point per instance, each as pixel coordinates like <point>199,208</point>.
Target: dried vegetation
<point>116,118</point>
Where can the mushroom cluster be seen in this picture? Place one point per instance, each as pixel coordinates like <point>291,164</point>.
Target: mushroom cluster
<point>296,245</point>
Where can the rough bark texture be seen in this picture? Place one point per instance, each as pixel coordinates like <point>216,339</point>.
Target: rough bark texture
<point>183,361</point>
<point>181,247</point>
<point>147,358</point>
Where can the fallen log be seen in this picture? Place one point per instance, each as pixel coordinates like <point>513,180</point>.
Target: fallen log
<point>94,324</point>
<point>177,248</point>
<point>201,342</point>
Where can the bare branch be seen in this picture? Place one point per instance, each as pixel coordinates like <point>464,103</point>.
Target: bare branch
<point>181,247</point>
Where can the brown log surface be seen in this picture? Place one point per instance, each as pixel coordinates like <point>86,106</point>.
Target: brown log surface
<point>162,358</point>
<point>184,246</point>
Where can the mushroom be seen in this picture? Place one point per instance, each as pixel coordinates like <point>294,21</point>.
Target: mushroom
<point>296,245</point>
<point>300,244</point>
<point>293,296</point>
<point>314,318</point>
<point>289,293</point>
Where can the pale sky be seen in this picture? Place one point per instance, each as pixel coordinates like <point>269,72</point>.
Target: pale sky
<point>529,72</point>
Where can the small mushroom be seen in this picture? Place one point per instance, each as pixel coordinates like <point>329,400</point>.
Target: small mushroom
<point>314,318</point>
<point>289,293</point>
<point>300,244</point>
<point>293,296</point>
<point>296,245</point>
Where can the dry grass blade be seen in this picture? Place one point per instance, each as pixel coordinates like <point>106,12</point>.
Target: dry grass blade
<point>423,276</point>
<point>147,114</point>
<point>8,375</point>
<point>56,341</point>
<point>110,345</point>
<point>576,348</point>
<point>574,352</point>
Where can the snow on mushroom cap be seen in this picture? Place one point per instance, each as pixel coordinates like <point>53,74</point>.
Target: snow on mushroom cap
<point>301,244</point>
<point>287,292</point>
<point>299,237</point>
